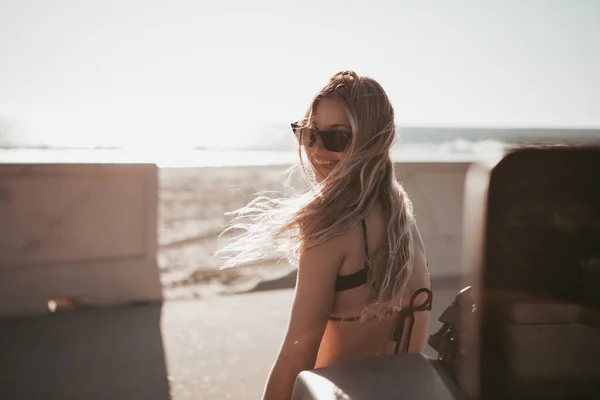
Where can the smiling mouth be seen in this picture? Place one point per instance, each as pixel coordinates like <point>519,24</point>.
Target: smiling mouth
<point>325,162</point>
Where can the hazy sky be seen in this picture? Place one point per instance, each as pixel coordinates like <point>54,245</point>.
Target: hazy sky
<point>218,72</point>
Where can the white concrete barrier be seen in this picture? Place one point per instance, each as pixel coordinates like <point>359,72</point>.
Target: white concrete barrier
<point>437,192</point>
<point>86,232</point>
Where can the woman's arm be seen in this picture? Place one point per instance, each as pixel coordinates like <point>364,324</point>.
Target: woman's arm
<point>313,303</point>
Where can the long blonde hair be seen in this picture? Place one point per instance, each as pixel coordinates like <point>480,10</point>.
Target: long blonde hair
<point>337,203</point>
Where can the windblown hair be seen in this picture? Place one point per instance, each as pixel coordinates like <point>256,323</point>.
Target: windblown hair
<point>337,203</point>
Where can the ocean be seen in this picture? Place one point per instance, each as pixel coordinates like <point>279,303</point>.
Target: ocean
<point>458,150</point>
<point>416,144</point>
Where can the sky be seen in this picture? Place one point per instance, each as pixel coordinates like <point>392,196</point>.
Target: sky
<point>224,73</point>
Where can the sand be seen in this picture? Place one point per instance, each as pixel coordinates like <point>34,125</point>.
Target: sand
<point>223,347</point>
<point>193,203</point>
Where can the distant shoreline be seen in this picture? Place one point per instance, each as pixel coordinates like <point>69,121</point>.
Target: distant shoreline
<point>461,152</point>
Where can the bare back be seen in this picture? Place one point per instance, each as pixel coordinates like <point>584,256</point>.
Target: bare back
<point>345,340</point>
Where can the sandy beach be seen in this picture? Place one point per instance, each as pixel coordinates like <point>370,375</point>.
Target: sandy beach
<point>193,203</point>
<point>192,207</point>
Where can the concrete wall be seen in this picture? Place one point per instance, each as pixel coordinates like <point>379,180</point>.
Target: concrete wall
<point>81,231</point>
<point>437,192</point>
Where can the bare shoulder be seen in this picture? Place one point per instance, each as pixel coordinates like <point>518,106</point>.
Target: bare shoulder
<point>329,254</point>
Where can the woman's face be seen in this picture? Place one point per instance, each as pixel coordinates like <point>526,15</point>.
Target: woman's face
<point>330,119</point>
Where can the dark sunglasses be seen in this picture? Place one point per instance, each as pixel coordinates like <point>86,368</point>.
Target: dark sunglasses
<point>333,141</point>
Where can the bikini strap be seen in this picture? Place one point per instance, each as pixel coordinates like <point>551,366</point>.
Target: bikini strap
<point>410,313</point>
<point>363,225</point>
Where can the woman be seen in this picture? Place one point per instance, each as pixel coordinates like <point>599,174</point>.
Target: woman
<point>363,286</point>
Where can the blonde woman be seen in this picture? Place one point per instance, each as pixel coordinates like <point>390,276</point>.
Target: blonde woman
<point>363,286</point>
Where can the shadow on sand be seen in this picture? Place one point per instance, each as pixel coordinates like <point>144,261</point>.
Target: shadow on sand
<point>97,353</point>
<point>285,282</point>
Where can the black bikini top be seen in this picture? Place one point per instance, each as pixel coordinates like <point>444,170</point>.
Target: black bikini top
<point>358,278</point>
<point>355,279</point>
